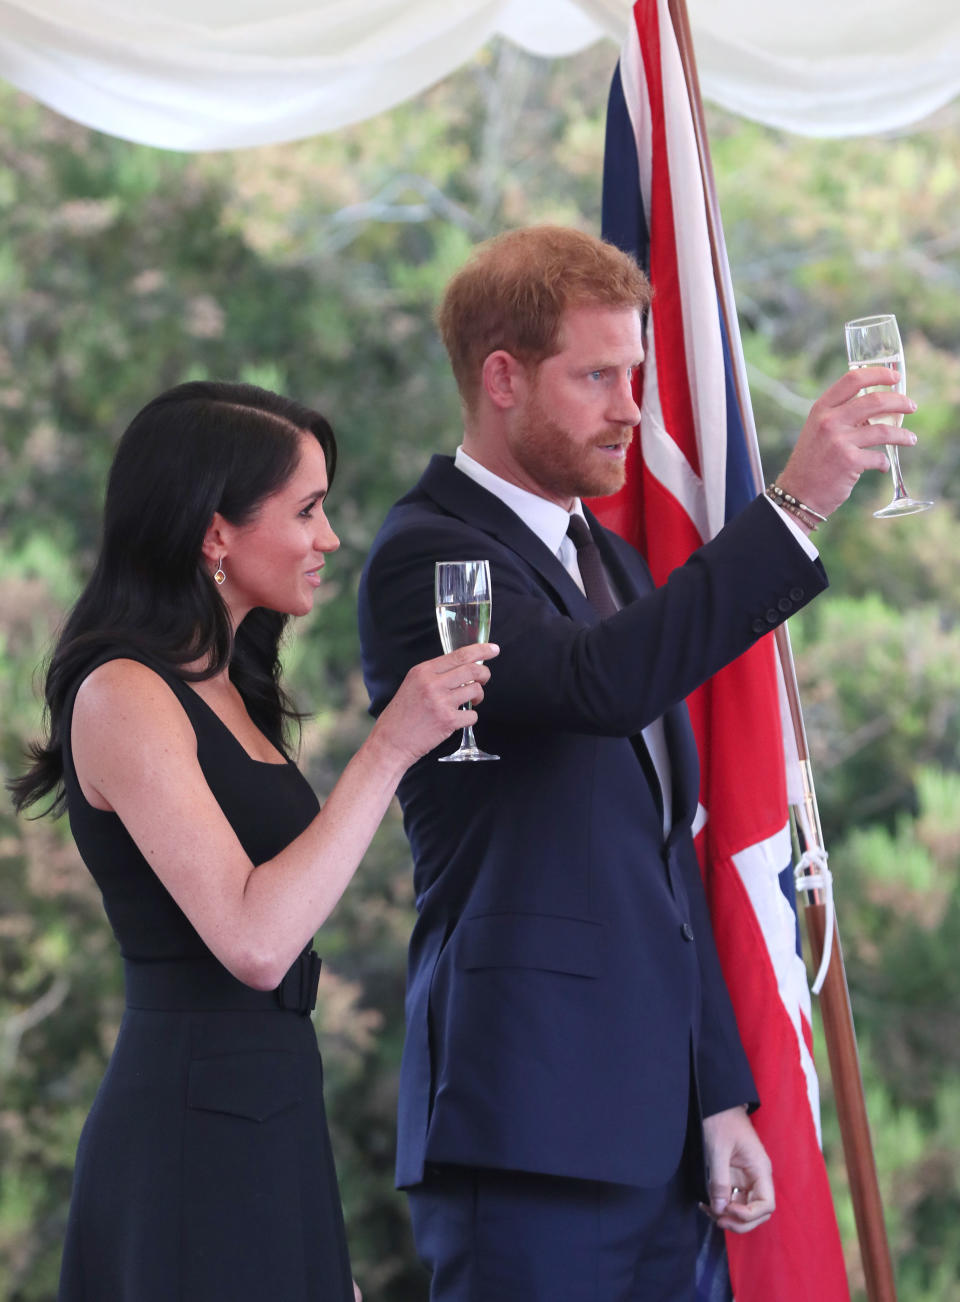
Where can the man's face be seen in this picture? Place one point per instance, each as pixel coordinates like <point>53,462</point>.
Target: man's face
<point>575,420</point>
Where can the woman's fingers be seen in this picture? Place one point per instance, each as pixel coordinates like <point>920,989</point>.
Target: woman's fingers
<point>464,655</point>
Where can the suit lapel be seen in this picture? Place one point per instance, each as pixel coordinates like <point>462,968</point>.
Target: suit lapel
<point>459,495</point>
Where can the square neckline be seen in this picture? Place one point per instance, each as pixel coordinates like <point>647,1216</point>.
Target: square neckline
<point>283,763</point>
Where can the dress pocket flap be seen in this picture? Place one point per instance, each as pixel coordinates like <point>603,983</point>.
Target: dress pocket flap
<point>255,1085</point>
<point>534,940</point>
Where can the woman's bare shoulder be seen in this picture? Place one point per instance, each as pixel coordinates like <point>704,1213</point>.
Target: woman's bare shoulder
<point>127,691</point>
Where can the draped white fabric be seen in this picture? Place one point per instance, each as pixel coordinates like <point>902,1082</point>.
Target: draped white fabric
<point>218,74</point>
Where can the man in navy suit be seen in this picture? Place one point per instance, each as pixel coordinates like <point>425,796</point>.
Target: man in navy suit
<point>572,1064</point>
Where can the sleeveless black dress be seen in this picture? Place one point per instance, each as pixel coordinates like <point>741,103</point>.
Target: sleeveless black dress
<point>204,1171</point>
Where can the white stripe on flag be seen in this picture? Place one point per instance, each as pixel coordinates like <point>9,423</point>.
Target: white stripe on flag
<point>704,496</point>
<point>760,867</point>
<point>662,456</point>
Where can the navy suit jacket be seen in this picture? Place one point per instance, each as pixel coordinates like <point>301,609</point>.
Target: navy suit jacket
<point>563,978</point>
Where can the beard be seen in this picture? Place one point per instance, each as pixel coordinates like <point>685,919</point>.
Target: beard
<point>565,464</point>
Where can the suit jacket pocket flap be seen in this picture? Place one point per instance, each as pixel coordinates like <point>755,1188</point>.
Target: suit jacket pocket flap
<point>255,1085</point>
<point>533,940</point>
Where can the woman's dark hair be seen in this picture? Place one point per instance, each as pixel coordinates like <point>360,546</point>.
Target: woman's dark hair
<point>198,448</point>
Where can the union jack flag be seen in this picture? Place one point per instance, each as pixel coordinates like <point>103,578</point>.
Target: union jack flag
<point>689,470</point>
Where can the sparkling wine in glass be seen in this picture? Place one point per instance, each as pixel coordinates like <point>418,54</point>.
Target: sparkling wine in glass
<point>875,341</point>
<point>462,590</point>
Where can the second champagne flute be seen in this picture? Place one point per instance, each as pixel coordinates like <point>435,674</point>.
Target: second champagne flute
<point>875,341</point>
<point>463,600</point>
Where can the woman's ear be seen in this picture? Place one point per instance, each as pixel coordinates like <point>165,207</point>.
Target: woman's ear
<point>216,540</point>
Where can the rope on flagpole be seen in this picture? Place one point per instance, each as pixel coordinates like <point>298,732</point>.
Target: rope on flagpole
<point>812,874</point>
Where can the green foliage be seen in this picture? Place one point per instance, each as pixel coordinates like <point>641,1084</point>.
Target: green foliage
<point>314,268</point>
<point>901,928</point>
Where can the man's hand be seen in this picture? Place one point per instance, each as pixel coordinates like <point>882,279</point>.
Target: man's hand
<point>837,443</point>
<point>740,1177</point>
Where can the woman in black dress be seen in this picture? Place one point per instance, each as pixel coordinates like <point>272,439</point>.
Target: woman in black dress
<point>204,1169</point>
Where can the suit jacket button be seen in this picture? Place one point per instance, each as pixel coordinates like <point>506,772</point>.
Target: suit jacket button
<point>785,604</point>
<point>759,626</point>
<point>686,931</point>
<point>773,617</point>
<point>796,594</point>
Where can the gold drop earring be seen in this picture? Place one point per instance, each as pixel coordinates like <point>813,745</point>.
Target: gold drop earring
<point>220,577</point>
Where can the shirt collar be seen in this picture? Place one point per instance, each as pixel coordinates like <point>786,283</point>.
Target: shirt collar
<point>546,519</point>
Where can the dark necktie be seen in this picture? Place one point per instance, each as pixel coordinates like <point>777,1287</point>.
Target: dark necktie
<point>597,589</point>
<point>594,576</point>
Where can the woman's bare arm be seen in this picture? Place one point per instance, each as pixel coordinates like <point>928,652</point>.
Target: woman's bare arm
<point>135,753</point>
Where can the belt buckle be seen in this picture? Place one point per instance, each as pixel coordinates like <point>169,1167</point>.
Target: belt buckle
<point>297,992</point>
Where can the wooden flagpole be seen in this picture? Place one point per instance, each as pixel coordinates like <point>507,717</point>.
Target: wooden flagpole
<point>834,996</point>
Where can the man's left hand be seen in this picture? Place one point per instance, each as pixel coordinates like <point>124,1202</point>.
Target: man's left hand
<point>740,1176</point>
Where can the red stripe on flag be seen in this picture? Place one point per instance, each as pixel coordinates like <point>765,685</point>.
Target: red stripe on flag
<point>743,767</point>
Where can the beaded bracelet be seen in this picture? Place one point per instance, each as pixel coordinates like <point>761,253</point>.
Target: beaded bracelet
<point>806,514</point>
<point>797,511</point>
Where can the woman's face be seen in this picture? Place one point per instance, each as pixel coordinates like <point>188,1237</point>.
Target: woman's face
<point>275,559</point>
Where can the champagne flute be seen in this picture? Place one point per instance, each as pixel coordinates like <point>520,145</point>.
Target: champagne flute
<point>875,341</point>
<point>462,590</point>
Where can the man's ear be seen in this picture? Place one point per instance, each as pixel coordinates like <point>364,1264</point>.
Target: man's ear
<point>504,379</point>
<point>216,541</point>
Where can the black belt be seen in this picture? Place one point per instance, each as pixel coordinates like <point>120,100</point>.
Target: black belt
<point>203,983</point>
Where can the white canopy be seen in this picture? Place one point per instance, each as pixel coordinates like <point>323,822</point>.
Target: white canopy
<point>223,74</point>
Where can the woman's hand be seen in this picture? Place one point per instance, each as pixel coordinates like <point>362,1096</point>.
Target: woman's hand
<point>426,708</point>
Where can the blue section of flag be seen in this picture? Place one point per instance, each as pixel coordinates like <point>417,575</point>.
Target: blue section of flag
<point>740,486</point>
<point>623,220</point>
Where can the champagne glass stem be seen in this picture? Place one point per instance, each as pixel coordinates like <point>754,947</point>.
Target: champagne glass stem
<point>893,456</point>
